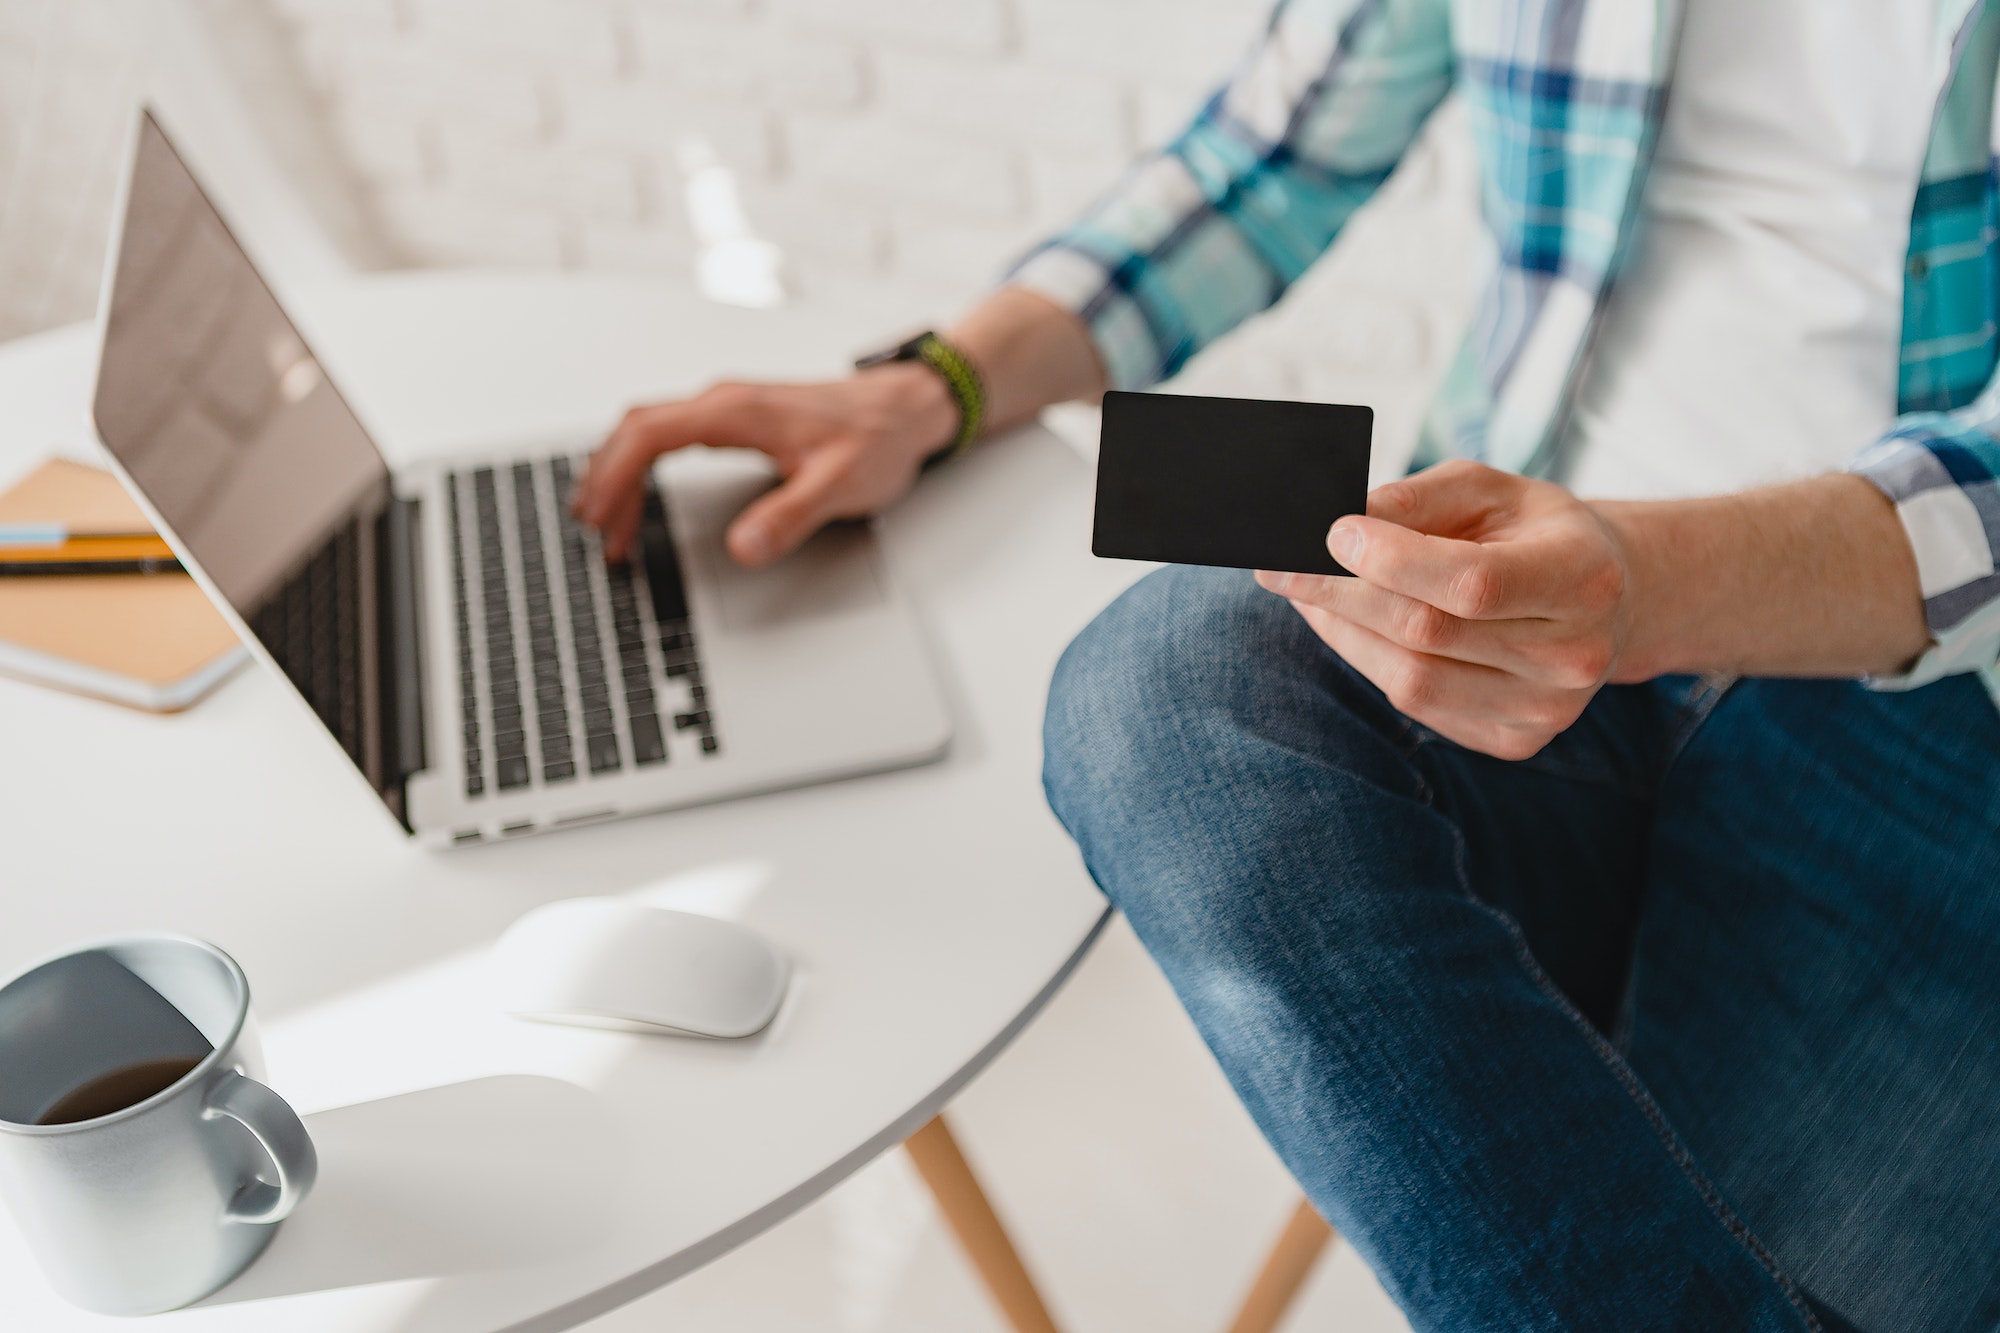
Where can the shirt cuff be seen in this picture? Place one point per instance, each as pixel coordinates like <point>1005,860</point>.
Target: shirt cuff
<point>1076,281</point>
<point>1943,484</point>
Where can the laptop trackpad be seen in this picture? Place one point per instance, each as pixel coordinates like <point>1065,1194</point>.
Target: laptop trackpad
<point>837,572</point>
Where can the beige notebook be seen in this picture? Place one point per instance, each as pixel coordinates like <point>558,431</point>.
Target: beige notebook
<point>148,640</point>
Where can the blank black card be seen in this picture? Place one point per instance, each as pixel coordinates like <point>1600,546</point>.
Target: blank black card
<point>1247,483</point>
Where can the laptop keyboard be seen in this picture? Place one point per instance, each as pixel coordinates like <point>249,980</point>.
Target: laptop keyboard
<point>309,627</point>
<point>566,665</point>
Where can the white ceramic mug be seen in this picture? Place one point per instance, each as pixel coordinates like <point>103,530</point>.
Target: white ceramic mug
<point>144,1162</point>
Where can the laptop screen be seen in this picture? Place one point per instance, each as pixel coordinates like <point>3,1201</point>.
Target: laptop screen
<point>220,415</point>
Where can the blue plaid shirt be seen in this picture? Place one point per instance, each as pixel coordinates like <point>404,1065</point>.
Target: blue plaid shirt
<point>1565,100</point>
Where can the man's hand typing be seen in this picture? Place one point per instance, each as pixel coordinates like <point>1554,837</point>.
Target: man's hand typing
<point>850,447</point>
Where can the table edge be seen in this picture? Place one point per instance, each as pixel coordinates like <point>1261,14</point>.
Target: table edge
<point>713,1246</point>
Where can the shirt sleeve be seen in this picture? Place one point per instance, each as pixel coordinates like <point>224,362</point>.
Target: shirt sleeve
<point>1214,227</point>
<point>1942,471</point>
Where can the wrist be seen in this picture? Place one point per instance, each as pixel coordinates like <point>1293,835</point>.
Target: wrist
<point>919,414</point>
<point>1653,641</point>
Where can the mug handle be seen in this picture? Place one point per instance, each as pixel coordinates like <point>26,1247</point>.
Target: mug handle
<point>280,1133</point>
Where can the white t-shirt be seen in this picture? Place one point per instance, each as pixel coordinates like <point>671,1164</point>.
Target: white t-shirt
<point>1755,332</point>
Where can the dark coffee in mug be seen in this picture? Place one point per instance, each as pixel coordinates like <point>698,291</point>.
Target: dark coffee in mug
<point>142,1159</point>
<point>116,1089</point>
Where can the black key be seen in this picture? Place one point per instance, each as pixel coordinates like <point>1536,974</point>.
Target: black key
<point>507,719</point>
<point>709,745</point>
<point>663,566</point>
<point>682,721</point>
<point>513,772</point>
<point>639,701</point>
<point>603,752</point>
<point>675,670</point>
<point>698,695</point>
<point>509,743</point>
<point>649,746</point>
<point>559,772</point>
<point>475,785</point>
<point>597,720</point>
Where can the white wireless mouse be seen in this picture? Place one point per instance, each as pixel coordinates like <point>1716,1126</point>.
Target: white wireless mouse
<point>603,962</point>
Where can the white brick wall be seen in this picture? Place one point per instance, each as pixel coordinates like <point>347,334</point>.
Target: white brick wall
<point>917,141</point>
<point>64,73</point>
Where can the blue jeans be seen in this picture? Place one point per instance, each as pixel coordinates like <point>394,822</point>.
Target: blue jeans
<point>1690,1022</point>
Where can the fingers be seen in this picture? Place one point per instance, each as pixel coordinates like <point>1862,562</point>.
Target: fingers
<point>1448,499</point>
<point>1554,572</point>
<point>725,415</point>
<point>1473,580</point>
<point>1482,544</point>
<point>621,525</point>
<point>777,522</point>
<point>1483,709</point>
<point>1547,651</point>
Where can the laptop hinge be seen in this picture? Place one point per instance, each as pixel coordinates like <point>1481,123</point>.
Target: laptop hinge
<point>402,639</point>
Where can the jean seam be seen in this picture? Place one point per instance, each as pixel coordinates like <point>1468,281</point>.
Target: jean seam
<point>1694,714</point>
<point>1411,741</point>
<point>1657,1120</point>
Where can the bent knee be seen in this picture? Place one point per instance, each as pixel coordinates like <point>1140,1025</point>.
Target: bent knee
<point>1181,645</point>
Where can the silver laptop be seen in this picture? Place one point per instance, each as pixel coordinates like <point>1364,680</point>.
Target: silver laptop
<point>459,635</point>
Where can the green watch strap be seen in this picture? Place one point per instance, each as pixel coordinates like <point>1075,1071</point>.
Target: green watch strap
<point>961,381</point>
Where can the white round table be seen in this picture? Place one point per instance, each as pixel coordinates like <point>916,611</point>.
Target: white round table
<point>480,1173</point>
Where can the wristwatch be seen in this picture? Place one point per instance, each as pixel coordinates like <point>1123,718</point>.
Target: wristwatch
<point>961,381</point>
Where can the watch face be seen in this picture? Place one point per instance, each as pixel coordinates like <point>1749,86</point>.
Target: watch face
<point>908,350</point>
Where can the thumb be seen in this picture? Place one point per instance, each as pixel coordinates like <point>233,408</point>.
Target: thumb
<point>1444,500</point>
<point>777,522</point>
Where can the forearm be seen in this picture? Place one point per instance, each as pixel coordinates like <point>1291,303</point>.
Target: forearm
<point>1030,353</point>
<point>1813,578</point>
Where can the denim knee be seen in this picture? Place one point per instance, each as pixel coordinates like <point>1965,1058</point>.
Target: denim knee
<point>1129,692</point>
<point>1198,720</point>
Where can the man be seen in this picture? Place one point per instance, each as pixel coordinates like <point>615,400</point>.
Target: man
<point>1598,948</point>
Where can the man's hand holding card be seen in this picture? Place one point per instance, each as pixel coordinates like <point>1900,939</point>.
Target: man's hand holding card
<point>1488,606</point>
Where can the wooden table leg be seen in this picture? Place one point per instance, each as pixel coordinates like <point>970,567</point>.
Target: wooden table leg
<point>1291,1260</point>
<point>966,1207</point>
